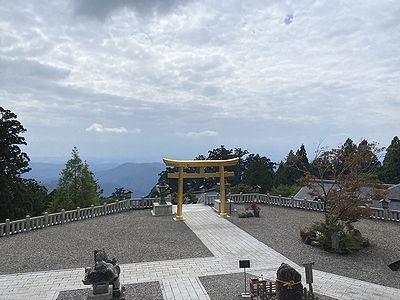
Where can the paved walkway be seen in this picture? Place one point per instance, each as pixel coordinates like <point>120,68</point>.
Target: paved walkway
<point>179,278</point>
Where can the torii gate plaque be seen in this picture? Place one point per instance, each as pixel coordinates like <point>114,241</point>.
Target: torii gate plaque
<point>201,164</point>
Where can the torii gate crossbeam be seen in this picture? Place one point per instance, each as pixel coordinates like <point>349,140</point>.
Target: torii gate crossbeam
<point>201,164</point>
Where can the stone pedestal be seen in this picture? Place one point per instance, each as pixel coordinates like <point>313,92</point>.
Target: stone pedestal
<point>101,292</point>
<point>229,206</point>
<point>162,209</point>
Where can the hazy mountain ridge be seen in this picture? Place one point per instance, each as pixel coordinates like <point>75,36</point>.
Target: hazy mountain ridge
<point>138,177</point>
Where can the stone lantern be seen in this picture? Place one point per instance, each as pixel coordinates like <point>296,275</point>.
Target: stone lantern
<point>162,189</point>
<point>162,208</point>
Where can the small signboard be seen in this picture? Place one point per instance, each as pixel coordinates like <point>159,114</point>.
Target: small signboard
<point>244,264</point>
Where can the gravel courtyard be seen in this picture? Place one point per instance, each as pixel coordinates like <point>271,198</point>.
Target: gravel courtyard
<point>134,236</point>
<point>278,227</point>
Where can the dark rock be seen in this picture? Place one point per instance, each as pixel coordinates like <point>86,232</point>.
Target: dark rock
<point>288,283</point>
<point>355,232</point>
<point>315,244</point>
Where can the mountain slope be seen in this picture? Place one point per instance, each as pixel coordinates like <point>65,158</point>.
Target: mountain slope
<point>138,177</point>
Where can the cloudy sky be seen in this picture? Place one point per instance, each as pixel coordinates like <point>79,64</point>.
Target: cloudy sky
<point>146,79</point>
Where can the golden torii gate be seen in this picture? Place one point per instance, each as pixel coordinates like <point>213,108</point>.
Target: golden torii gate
<point>201,164</point>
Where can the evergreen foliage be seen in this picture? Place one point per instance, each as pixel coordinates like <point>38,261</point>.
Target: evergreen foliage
<point>13,162</point>
<point>19,197</point>
<point>259,171</point>
<point>390,171</point>
<point>285,190</point>
<point>76,186</point>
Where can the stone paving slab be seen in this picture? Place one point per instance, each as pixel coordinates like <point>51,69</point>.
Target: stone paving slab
<point>183,289</point>
<point>226,241</point>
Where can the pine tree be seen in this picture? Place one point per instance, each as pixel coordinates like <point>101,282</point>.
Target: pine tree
<point>390,172</point>
<point>76,186</point>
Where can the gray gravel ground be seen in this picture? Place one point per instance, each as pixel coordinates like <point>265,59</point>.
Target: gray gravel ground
<point>138,291</point>
<point>278,227</point>
<point>230,286</point>
<point>134,236</point>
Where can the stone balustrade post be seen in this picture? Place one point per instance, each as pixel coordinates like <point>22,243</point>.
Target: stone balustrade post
<point>305,203</point>
<point>117,206</point>
<point>46,219</point>
<point>268,198</point>
<point>280,200</point>
<point>105,208</point>
<point>92,210</point>
<point>292,202</point>
<point>241,197</point>
<point>28,223</point>
<point>78,213</point>
<point>63,216</point>
<point>8,227</point>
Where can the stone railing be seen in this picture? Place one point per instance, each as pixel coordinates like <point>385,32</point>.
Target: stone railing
<point>380,214</point>
<point>67,216</point>
<point>376,213</point>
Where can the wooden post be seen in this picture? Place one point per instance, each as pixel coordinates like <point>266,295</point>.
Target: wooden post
<point>222,191</point>
<point>179,215</point>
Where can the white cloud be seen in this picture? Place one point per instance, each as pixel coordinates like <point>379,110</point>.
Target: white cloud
<point>96,127</point>
<point>205,133</point>
<point>292,71</point>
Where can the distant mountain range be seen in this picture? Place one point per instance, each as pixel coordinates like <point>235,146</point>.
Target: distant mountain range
<point>137,177</point>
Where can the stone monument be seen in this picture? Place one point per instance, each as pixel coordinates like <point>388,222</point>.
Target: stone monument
<point>104,278</point>
<point>162,208</point>
<point>288,283</point>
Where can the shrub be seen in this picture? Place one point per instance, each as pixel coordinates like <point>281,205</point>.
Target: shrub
<point>348,240</point>
<point>246,214</point>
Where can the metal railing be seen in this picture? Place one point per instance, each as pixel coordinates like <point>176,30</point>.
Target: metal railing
<point>67,216</point>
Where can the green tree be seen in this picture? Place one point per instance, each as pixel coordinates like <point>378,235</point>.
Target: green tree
<point>285,190</point>
<point>295,166</point>
<point>13,163</point>
<point>76,186</point>
<point>34,195</point>
<point>354,182</point>
<point>121,194</point>
<point>390,171</point>
<point>259,171</point>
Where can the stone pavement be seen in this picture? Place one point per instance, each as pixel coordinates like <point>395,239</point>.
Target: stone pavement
<point>179,278</point>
